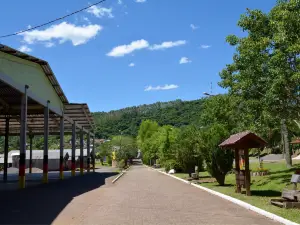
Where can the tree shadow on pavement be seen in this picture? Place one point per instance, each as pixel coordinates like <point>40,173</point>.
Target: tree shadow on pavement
<point>266,193</point>
<point>42,204</point>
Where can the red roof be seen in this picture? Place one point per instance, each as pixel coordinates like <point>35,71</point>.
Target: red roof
<point>297,141</point>
<point>242,140</point>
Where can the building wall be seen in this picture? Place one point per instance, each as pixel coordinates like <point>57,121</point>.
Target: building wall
<point>19,72</point>
<point>53,164</point>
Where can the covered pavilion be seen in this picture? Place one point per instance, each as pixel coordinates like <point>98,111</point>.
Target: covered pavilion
<point>33,103</point>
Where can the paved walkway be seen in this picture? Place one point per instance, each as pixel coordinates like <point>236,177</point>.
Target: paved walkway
<point>144,196</point>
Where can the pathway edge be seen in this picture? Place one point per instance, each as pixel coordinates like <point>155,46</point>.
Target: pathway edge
<point>120,175</point>
<point>235,201</point>
<point>117,178</point>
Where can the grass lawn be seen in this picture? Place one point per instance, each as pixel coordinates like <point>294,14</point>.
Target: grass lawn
<point>98,164</point>
<point>262,188</point>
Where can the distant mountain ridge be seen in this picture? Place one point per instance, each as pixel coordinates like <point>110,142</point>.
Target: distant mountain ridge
<point>127,120</point>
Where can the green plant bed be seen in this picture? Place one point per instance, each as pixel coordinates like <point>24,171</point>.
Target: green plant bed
<point>264,188</point>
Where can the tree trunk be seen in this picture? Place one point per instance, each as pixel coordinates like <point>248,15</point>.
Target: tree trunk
<point>220,179</point>
<point>286,144</point>
<point>282,142</point>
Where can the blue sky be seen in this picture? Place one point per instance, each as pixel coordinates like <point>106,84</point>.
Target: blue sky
<point>130,52</point>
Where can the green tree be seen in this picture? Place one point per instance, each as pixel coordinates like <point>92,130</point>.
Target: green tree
<point>266,63</point>
<point>104,150</point>
<point>218,161</point>
<point>125,147</point>
<point>188,152</point>
<point>146,130</point>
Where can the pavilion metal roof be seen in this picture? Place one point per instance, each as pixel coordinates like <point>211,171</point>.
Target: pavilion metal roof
<point>78,113</point>
<point>10,100</point>
<point>45,66</point>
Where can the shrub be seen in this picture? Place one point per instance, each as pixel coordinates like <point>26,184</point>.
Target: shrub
<point>121,164</point>
<point>109,161</point>
<point>220,164</point>
<point>172,164</point>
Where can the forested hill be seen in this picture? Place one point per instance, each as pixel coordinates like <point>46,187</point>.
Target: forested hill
<point>176,113</point>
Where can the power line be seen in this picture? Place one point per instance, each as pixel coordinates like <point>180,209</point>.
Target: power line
<point>52,21</point>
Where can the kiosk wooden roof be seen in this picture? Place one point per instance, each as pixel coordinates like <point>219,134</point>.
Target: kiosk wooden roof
<point>243,140</point>
<point>297,141</point>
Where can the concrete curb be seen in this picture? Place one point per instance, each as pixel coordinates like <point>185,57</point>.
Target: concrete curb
<point>236,201</point>
<point>117,178</point>
<point>120,175</point>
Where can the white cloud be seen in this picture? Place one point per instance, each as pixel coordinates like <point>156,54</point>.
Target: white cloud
<point>131,65</point>
<point>194,27</point>
<point>205,46</point>
<point>122,50</point>
<point>140,1</point>
<point>25,48</point>
<point>168,44</point>
<point>63,32</point>
<point>184,60</point>
<point>86,20</point>
<point>161,88</point>
<point>120,2</point>
<point>29,26</point>
<point>49,44</point>
<point>100,11</point>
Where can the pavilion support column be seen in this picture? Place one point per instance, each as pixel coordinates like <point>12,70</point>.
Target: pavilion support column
<point>6,149</point>
<point>23,130</point>
<point>81,152</point>
<point>88,148</point>
<point>237,171</point>
<point>46,143</point>
<point>30,152</point>
<point>247,173</point>
<point>73,165</point>
<point>61,149</point>
<point>94,158</point>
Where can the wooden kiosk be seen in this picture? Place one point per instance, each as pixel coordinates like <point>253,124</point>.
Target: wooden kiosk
<point>241,143</point>
<point>295,142</point>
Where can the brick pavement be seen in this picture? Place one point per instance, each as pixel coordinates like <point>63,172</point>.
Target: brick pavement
<point>143,196</point>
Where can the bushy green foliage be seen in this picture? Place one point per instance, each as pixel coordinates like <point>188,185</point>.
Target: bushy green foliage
<point>218,161</point>
<point>175,113</point>
<point>125,148</point>
<point>188,151</point>
<point>265,68</point>
<point>172,164</point>
<point>220,164</point>
<point>121,164</point>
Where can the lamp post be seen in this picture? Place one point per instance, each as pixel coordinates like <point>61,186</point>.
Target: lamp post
<point>205,93</point>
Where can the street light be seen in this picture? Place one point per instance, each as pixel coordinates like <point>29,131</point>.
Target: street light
<point>205,93</point>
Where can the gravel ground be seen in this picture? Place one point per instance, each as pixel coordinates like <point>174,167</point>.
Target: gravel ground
<point>273,157</point>
<point>297,158</point>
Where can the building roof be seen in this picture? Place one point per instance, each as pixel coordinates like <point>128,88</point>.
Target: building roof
<point>79,113</point>
<point>10,98</point>
<point>243,140</point>
<point>297,141</point>
<point>44,65</point>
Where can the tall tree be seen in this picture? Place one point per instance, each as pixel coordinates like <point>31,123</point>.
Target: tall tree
<point>125,147</point>
<point>266,63</point>
<point>146,130</point>
<point>188,152</point>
